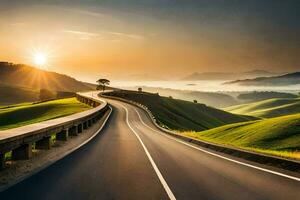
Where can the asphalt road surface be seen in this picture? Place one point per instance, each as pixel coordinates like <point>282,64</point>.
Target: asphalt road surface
<point>132,159</point>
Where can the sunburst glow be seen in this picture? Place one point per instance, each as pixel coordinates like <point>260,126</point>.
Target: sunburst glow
<point>40,59</point>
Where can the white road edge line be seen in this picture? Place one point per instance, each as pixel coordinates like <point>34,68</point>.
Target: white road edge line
<point>217,155</point>
<point>158,173</point>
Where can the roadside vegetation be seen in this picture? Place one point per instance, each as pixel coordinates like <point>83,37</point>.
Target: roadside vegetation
<point>268,108</point>
<point>278,136</point>
<point>28,113</point>
<point>181,115</point>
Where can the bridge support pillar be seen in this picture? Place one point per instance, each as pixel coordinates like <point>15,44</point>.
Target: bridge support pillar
<point>63,135</point>
<point>73,131</point>
<point>81,99</point>
<point>2,161</point>
<point>85,125</point>
<point>89,123</point>
<point>44,143</point>
<point>23,152</point>
<point>79,128</point>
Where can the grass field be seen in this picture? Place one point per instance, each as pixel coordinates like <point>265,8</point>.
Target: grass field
<point>29,113</point>
<point>278,136</point>
<point>268,108</point>
<point>14,95</point>
<point>181,115</point>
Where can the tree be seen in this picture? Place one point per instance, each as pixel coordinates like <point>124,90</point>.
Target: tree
<point>102,82</point>
<point>195,101</point>
<point>140,89</point>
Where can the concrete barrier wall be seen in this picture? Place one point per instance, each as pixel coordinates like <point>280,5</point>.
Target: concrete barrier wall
<point>291,165</point>
<point>20,140</point>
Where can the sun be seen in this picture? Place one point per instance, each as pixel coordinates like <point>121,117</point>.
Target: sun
<point>40,59</point>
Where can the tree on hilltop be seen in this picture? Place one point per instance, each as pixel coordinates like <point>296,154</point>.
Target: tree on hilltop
<point>101,83</point>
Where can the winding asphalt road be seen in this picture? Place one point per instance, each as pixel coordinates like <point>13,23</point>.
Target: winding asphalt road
<point>131,159</point>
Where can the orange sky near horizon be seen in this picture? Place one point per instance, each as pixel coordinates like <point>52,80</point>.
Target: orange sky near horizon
<point>87,43</point>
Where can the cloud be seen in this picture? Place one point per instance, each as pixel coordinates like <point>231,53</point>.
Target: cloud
<point>88,35</point>
<point>128,35</point>
<point>97,15</point>
<point>108,19</point>
<point>87,12</point>
<point>18,24</point>
<point>82,34</point>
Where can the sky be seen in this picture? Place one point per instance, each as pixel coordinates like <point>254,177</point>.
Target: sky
<point>151,39</point>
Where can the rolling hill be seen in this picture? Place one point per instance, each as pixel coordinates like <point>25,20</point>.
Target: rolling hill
<point>279,136</point>
<point>29,113</point>
<point>263,95</point>
<point>15,95</point>
<point>181,115</point>
<point>283,80</point>
<point>268,108</point>
<point>19,75</point>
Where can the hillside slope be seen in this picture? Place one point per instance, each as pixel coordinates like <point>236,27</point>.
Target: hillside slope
<point>181,115</point>
<point>29,113</point>
<point>30,77</point>
<point>15,95</point>
<point>263,95</point>
<point>268,108</point>
<point>276,134</point>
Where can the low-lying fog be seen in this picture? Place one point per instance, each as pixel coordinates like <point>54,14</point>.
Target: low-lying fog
<point>204,86</point>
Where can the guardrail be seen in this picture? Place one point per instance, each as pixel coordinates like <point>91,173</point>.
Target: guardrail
<point>291,165</point>
<point>20,140</point>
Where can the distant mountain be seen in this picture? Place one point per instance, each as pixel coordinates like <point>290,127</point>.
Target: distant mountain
<point>227,76</point>
<point>283,80</point>
<point>26,76</point>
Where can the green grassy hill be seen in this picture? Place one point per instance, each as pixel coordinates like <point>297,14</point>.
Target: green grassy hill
<point>268,108</point>
<point>29,113</point>
<point>14,95</point>
<point>279,136</point>
<point>181,115</point>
